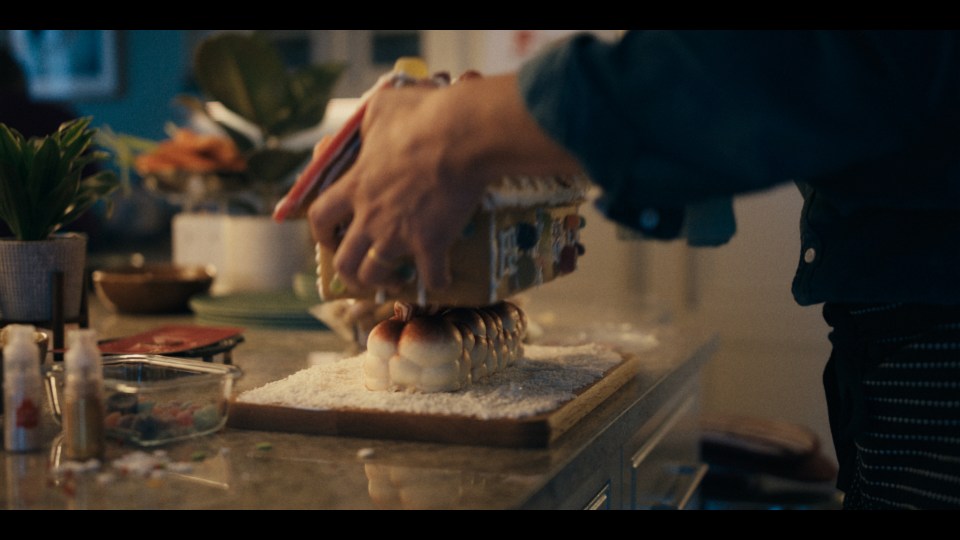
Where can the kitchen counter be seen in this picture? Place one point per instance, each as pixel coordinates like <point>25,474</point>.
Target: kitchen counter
<point>638,449</point>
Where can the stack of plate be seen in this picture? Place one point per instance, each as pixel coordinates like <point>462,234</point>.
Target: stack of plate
<point>282,309</point>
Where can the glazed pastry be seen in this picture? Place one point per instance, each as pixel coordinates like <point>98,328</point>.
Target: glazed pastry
<point>434,349</point>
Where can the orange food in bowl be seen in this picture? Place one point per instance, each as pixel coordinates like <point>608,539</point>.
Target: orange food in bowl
<point>191,152</point>
<point>152,288</point>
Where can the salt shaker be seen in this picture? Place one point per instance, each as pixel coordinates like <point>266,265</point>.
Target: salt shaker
<point>22,389</point>
<point>84,407</point>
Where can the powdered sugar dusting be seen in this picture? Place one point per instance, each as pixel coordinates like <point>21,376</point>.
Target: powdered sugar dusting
<point>545,378</point>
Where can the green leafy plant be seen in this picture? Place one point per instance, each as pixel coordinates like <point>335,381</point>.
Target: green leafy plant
<point>43,185</point>
<point>124,149</point>
<point>245,73</point>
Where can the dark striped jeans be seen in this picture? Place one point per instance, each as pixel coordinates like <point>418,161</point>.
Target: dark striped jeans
<point>893,392</point>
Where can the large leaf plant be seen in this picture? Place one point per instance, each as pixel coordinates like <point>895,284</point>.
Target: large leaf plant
<point>245,73</point>
<point>43,180</point>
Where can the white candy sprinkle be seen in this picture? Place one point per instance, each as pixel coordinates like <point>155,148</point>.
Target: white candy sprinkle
<point>105,478</point>
<point>543,379</point>
<point>149,465</point>
<point>318,357</point>
<point>79,466</point>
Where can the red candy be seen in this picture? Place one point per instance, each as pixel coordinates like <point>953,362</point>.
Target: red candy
<point>568,260</point>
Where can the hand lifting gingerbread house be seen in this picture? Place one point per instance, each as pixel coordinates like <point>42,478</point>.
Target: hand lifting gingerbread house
<point>526,231</point>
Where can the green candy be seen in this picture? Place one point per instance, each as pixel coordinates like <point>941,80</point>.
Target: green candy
<point>336,285</point>
<point>144,407</point>
<point>206,418</point>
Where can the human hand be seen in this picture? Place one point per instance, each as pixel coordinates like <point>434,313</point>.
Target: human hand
<point>399,202</point>
<point>427,157</point>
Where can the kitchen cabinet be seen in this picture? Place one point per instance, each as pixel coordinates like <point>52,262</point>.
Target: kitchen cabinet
<point>637,449</point>
<point>643,451</point>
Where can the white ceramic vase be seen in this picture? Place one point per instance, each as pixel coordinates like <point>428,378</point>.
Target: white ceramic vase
<point>250,253</point>
<point>27,271</point>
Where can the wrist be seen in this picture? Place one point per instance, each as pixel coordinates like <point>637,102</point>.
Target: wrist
<point>488,133</point>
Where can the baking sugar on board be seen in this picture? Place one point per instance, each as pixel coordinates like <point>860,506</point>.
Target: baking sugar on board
<point>543,379</point>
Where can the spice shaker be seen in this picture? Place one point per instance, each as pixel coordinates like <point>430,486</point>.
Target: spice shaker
<point>22,389</point>
<point>84,408</point>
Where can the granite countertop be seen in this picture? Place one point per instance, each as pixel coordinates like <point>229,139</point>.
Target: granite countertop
<point>272,470</point>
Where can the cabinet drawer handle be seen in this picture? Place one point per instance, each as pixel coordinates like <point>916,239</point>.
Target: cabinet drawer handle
<point>661,432</point>
<point>599,501</point>
<point>688,479</point>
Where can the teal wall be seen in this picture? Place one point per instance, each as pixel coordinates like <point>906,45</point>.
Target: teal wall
<point>154,70</point>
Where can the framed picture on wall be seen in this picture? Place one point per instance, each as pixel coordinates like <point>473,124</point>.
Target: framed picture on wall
<point>68,65</point>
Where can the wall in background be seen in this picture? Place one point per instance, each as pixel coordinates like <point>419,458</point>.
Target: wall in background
<point>155,65</point>
<point>154,70</point>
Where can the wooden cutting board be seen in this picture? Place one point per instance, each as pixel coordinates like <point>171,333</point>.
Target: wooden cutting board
<point>535,431</point>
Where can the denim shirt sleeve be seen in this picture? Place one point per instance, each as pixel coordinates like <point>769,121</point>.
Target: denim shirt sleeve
<point>668,123</point>
<point>663,119</point>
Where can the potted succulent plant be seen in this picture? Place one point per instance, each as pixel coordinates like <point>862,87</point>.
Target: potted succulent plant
<point>44,186</point>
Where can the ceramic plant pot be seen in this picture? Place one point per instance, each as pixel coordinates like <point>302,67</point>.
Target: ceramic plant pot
<point>27,271</point>
<point>250,253</point>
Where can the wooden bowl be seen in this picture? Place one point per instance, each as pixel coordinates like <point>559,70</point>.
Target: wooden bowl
<point>152,288</point>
